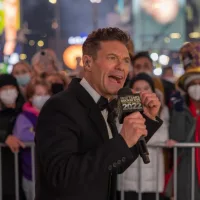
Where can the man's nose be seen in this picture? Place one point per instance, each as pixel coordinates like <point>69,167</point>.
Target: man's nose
<point>120,65</point>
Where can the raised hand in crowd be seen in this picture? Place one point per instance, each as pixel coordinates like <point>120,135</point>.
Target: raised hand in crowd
<point>133,128</point>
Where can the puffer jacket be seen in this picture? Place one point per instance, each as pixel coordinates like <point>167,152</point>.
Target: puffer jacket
<point>130,181</point>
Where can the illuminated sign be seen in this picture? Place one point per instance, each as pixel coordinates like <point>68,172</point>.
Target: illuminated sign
<point>1,17</point>
<point>76,40</point>
<point>71,54</point>
<point>163,22</point>
<point>161,10</point>
<point>9,24</point>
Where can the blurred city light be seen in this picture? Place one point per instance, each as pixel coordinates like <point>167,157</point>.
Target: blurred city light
<point>76,40</point>
<point>167,40</point>
<point>95,1</point>
<point>163,11</point>
<point>40,43</point>
<point>53,1</point>
<point>175,35</point>
<point>31,42</point>
<point>154,56</point>
<point>194,35</point>
<point>157,71</point>
<point>164,60</point>
<point>14,58</point>
<point>22,56</point>
<point>70,54</point>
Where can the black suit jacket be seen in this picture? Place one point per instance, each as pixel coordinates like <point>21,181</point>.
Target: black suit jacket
<point>75,160</point>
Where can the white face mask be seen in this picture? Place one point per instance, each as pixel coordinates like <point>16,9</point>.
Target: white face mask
<point>23,80</point>
<point>8,96</point>
<point>39,101</point>
<point>194,92</point>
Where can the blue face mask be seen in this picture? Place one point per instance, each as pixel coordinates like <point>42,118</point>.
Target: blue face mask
<point>23,80</point>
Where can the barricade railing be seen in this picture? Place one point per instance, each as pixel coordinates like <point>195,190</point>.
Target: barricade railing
<point>158,146</point>
<point>16,168</point>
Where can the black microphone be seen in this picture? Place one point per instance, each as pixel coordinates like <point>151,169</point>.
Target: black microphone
<point>128,103</point>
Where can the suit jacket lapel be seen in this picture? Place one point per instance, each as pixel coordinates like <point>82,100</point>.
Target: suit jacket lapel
<point>98,120</point>
<point>93,111</point>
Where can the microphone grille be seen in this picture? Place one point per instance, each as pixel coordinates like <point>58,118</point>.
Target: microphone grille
<point>124,91</point>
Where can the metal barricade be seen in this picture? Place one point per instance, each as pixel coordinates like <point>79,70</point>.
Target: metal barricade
<point>192,146</point>
<point>157,146</point>
<point>28,145</point>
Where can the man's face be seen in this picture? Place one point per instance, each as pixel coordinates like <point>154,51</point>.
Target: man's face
<point>142,65</point>
<point>107,73</point>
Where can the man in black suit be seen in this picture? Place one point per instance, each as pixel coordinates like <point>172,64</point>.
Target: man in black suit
<point>77,155</point>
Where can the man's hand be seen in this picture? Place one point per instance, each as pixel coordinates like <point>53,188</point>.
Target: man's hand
<point>151,104</point>
<point>14,143</point>
<point>133,128</point>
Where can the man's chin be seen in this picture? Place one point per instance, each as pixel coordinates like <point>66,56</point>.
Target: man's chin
<point>114,92</point>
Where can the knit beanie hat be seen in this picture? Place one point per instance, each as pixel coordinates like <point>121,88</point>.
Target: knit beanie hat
<point>7,79</point>
<point>144,77</point>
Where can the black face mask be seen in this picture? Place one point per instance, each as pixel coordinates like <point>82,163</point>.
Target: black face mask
<point>57,87</point>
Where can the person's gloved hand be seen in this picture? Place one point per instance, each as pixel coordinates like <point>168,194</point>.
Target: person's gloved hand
<point>177,101</point>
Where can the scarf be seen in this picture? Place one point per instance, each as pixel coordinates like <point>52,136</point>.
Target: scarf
<point>197,138</point>
<point>28,107</point>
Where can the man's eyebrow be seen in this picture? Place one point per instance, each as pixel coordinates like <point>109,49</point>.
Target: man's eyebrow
<point>113,54</point>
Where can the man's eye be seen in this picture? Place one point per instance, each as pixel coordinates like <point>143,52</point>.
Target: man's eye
<point>127,61</point>
<point>112,57</point>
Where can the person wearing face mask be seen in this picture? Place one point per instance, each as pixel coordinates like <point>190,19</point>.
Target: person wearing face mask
<point>22,72</point>
<point>11,101</point>
<point>185,127</point>
<point>37,94</point>
<point>128,182</point>
<point>58,81</point>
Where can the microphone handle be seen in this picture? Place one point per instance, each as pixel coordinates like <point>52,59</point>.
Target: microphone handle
<point>143,151</point>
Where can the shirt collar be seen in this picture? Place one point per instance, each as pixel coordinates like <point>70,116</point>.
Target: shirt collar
<point>90,90</point>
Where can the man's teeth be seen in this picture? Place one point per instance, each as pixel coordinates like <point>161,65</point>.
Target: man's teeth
<point>118,77</point>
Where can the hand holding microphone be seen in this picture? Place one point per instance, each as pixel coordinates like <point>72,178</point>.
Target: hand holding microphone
<point>133,128</point>
<point>129,107</point>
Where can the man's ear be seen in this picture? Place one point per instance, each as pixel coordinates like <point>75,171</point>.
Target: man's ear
<point>87,63</point>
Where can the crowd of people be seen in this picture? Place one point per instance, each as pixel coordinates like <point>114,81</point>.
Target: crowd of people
<point>24,92</point>
<point>22,95</point>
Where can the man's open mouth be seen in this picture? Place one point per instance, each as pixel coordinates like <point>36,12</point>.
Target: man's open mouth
<point>116,78</point>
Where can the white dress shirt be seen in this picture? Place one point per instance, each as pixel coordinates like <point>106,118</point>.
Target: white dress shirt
<point>96,98</point>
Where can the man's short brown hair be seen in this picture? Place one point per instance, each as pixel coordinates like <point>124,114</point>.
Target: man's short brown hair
<point>92,43</point>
